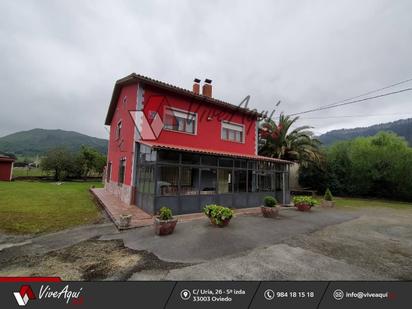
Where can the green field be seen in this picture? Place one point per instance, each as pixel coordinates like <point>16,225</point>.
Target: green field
<point>37,207</point>
<point>24,171</point>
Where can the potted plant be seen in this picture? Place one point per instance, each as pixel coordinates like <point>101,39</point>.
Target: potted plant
<point>269,208</point>
<point>328,199</point>
<point>219,216</point>
<point>165,223</point>
<point>125,220</point>
<point>304,203</point>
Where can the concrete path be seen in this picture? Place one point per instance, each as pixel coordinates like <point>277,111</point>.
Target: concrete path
<point>198,241</point>
<point>54,241</point>
<point>277,262</point>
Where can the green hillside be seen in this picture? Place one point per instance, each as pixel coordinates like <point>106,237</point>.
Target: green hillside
<point>39,141</point>
<point>401,127</point>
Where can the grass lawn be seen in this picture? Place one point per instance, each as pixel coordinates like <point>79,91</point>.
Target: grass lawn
<point>363,202</point>
<point>37,207</point>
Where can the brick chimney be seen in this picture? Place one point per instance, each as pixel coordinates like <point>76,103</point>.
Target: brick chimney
<point>207,88</point>
<point>196,86</point>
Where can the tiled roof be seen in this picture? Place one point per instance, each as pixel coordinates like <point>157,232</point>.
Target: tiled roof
<point>133,78</point>
<point>212,152</point>
<point>6,159</point>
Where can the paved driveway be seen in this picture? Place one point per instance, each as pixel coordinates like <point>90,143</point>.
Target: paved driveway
<point>199,241</point>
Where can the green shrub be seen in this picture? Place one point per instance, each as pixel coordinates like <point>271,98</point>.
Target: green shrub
<point>328,195</point>
<point>269,201</point>
<point>218,213</point>
<point>302,199</point>
<point>165,213</point>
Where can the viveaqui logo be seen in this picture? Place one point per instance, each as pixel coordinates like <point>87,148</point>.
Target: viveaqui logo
<point>24,295</point>
<point>46,292</point>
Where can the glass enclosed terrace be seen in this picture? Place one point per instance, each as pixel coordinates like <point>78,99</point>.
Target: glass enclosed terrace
<point>187,181</point>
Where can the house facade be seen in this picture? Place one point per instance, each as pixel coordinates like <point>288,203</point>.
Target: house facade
<point>184,149</point>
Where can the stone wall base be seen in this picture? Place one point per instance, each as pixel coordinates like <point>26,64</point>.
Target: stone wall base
<point>124,192</point>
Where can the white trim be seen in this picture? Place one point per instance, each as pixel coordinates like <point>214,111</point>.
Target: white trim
<point>182,114</point>
<point>11,171</point>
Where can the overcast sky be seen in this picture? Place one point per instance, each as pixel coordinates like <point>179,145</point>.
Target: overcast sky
<point>59,59</point>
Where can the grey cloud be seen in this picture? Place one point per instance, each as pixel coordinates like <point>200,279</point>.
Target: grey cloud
<point>59,60</point>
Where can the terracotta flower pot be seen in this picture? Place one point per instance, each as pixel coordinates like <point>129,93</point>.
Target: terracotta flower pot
<point>164,227</point>
<point>270,212</point>
<point>303,207</point>
<point>124,221</point>
<point>222,223</point>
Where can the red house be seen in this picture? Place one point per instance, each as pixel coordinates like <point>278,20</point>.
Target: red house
<point>6,168</point>
<point>185,149</point>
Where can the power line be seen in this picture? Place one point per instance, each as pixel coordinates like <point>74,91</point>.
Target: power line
<point>361,95</point>
<point>351,102</point>
<point>351,116</point>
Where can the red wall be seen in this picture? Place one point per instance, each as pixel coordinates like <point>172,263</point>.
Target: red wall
<point>123,147</point>
<point>5,170</point>
<point>208,131</point>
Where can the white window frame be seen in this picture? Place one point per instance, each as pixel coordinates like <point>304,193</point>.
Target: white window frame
<point>182,114</point>
<point>239,127</point>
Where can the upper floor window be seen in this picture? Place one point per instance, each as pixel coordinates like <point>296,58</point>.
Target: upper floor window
<point>118,129</point>
<point>180,121</point>
<point>233,132</point>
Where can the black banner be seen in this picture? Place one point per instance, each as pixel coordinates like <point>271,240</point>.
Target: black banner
<point>206,294</point>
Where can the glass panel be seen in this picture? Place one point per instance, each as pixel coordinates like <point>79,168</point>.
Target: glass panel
<point>279,182</point>
<point>190,158</point>
<point>150,180</point>
<point>122,171</point>
<point>240,163</point>
<point>168,156</point>
<point>147,154</point>
<point>226,162</point>
<point>209,160</point>
<point>225,178</point>
<point>252,181</point>
<point>167,180</point>
<point>231,135</point>
<point>208,181</point>
<point>189,180</point>
<point>265,182</point>
<point>240,181</point>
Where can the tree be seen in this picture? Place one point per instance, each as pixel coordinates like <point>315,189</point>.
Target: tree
<point>90,160</point>
<point>59,161</point>
<point>279,140</point>
<point>377,166</point>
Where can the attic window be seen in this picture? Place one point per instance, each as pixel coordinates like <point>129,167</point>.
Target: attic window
<point>124,101</point>
<point>118,129</point>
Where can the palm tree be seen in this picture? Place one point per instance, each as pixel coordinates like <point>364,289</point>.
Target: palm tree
<point>298,145</point>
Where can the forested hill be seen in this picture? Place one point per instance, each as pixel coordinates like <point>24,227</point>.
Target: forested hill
<point>39,141</point>
<point>401,127</point>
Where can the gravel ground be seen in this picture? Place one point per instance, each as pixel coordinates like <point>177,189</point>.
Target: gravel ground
<point>87,260</point>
